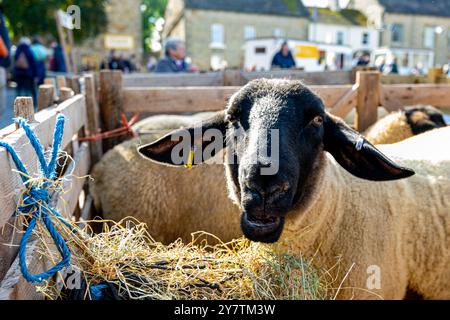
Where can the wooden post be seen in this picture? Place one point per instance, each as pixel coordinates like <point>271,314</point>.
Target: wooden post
<point>65,94</point>
<point>369,97</point>
<point>23,107</point>
<point>111,104</point>
<point>233,78</point>
<point>434,74</point>
<point>46,96</point>
<point>49,81</point>
<point>75,85</point>
<point>61,82</point>
<point>93,117</point>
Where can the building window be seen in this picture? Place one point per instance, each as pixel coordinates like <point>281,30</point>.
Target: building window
<point>260,50</point>
<point>217,36</point>
<point>249,32</point>
<point>278,33</point>
<point>340,37</point>
<point>429,37</point>
<point>365,38</point>
<point>397,33</point>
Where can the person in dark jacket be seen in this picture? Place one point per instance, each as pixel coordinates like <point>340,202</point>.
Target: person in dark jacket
<point>40,55</point>
<point>283,59</point>
<point>25,69</point>
<point>4,34</point>
<point>57,62</point>
<point>175,59</point>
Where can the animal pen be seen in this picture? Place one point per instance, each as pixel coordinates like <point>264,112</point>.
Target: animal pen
<point>92,103</point>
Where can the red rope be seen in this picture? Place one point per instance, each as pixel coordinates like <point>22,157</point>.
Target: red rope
<point>126,129</point>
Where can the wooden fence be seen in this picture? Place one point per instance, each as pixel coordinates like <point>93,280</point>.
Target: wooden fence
<point>80,110</point>
<point>76,97</point>
<point>435,75</point>
<point>365,96</point>
<point>234,78</point>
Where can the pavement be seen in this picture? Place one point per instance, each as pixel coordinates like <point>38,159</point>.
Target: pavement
<point>7,108</point>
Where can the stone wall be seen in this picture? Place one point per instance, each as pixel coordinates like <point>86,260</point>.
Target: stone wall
<point>414,30</point>
<point>198,33</point>
<point>124,18</point>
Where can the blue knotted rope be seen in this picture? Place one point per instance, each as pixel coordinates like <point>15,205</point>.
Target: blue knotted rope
<point>36,200</point>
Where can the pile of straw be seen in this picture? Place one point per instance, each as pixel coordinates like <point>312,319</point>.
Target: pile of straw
<point>130,261</point>
<point>125,256</point>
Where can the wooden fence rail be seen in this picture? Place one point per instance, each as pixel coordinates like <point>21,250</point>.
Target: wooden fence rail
<point>82,115</point>
<point>365,96</point>
<point>234,78</point>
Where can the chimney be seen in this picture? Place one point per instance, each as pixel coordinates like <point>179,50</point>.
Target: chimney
<point>334,5</point>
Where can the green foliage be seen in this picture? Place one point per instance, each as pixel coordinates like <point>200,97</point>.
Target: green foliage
<point>31,17</point>
<point>153,9</point>
<point>355,16</point>
<point>292,5</point>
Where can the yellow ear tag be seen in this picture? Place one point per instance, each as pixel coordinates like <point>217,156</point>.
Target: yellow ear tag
<point>190,162</point>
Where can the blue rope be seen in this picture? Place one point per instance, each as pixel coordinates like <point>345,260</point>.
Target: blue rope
<point>36,200</point>
<point>97,291</point>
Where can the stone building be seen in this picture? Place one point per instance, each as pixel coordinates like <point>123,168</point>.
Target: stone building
<point>123,33</point>
<point>215,31</point>
<point>417,31</point>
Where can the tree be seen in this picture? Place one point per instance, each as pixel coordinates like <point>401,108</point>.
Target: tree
<point>152,10</point>
<point>30,17</point>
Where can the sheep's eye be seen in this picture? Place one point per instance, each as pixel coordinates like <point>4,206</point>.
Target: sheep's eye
<point>317,121</point>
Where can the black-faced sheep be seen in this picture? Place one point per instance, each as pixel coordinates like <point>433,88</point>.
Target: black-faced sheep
<point>334,196</point>
<point>400,125</point>
<point>179,218</point>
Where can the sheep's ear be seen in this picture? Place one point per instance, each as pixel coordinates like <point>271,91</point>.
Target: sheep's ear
<point>188,146</point>
<point>357,155</point>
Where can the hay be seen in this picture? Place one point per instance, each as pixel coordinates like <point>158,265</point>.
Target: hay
<point>130,261</point>
<point>138,267</point>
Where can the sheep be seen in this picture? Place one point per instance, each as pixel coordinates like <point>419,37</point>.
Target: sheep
<point>192,206</point>
<point>335,196</point>
<point>400,125</point>
<point>112,173</point>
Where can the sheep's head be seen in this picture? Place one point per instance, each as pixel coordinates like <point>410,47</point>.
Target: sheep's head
<point>275,133</point>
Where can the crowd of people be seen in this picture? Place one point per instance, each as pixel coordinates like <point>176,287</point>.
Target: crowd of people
<point>28,60</point>
<point>117,61</point>
<point>31,61</point>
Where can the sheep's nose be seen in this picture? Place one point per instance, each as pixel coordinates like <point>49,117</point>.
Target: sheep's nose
<point>267,188</point>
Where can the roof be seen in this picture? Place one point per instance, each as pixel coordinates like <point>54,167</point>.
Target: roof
<point>347,17</point>
<point>292,8</point>
<point>418,7</point>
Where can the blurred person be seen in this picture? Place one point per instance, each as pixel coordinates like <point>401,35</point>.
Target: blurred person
<point>128,63</point>
<point>283,59</point>
<point>115,61</point>
<point>393,66</point>
<point>5,59</point>
<point>363,60</point>
<point>57,61</point>
<point>40,55</point>
<point>175,58</point>
<point>133,63</point>
<point>25,69</point>
<point>151,63</point>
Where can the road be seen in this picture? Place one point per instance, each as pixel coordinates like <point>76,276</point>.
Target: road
<point>6,111</point>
